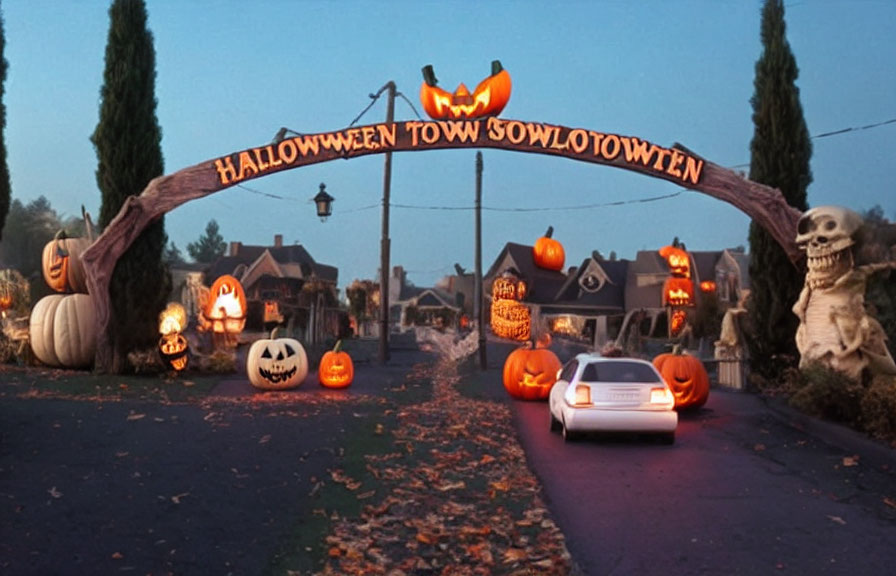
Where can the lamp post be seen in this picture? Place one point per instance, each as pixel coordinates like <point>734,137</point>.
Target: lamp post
<point>323,202</point>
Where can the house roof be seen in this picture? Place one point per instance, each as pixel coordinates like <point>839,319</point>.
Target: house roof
<point>543,284</point>
<point>597,284</point>
<point>704,265</point>
<point>291,261</point>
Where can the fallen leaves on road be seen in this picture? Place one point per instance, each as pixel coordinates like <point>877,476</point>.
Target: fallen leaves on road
<point>456,497</point>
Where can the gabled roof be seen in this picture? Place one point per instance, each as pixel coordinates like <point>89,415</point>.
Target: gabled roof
<point>430,298</point>
<point>291,261</point>
<point>543,284</point>
<point>704,265</point>
<point>597,284</point>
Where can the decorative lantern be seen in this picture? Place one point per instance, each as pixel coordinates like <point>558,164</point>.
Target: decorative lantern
<point>276,363</point>
<point>548,253</point>
<point>323,202</point>
<point>173,346</point>
<point>678,260</point>
<point>226,306</point>
<point>530,373</point>
<point>488,99</point>
<point>510,318</point>
<point>686,376</point>
<point>677,322</point>
<point>336,369</point>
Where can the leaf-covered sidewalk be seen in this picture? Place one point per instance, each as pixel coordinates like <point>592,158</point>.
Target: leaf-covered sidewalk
<point>454,497</point>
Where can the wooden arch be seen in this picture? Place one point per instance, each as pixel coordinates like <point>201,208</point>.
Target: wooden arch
<point>766,206</point>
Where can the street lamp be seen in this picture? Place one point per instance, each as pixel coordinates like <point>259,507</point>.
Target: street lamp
<point>323,201</point>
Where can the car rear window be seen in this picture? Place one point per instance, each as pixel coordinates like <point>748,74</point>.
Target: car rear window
<point>618,372</point>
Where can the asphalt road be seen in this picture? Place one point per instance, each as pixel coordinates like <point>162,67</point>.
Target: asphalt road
<point>748,488</point>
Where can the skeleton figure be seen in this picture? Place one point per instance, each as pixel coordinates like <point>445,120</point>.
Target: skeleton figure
<point>834,327</point>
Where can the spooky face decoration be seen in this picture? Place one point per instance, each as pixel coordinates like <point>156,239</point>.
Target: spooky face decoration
<point>173,346</point>
<point>529,374</point>
<point>510,318</point>
<point>678,261</point>
<point>686,376</point>
<point>488,99</point>
<point>226,306</point>
<point>835,329</point>
<point>336,369</point>
<point>678,292</point>
<point>276,363</point>
<point>61,264</point>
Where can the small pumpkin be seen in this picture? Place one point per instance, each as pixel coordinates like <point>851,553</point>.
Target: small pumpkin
<point>336,369</point>
<point>530,373</point>
<point>174,350</point>
<point>488,99</point>
<point>61,263</point>
<point>276,363</point>
<point>548,253</point>
<point>686,376</point>
<point>62,330</point>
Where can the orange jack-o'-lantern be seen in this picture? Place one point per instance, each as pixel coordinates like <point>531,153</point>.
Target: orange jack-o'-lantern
<point>548,253</point>
<point>173,349</point>
<point>678,292</point>
<point>336,369</point>
<point>226,305</point>
<point>530,373</point>
<point>61,263</point>
<point>510,318</point>
<point>488,99</point>
<point>686,376</point>
<point>678,260</point>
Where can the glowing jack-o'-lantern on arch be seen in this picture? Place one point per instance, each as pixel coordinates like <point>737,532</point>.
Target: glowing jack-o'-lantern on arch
<point>173,346</point>
<point>488,99</point>
<point>510,318</point>
<point>226,306</point>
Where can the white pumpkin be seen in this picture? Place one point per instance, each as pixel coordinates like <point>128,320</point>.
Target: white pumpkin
<point>63,330</point>
<point>276,363</point>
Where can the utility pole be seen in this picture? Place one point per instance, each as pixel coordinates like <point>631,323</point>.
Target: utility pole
<point>385,242</point>
<point>479,308</point>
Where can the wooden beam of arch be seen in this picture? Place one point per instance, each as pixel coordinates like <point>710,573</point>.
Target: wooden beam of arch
<point>766,206</point>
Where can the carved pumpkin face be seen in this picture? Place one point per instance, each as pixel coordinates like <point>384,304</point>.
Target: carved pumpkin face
<point>530,374</point>
<point>678,292</point>
<point>61,264</point>
<point>686,376</point>
<point>336,369</point>
<point>226,306</point>
<point>488,99</point>
<point>678,261</point>
<point>548,253</point>
<point>173,349</point>
<point>276,363</point>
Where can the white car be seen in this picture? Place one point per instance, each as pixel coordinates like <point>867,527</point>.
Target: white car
<point>598,394</point>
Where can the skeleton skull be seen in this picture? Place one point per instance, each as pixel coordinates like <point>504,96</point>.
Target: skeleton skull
<point>827,233</point>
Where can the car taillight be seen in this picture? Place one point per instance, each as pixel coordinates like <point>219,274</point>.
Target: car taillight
<point>583,395</point>
<point>661,396</point>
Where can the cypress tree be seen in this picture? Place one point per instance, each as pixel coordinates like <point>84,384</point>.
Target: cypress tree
<point>779,157</point>
<point>128,145</point>
<point>4,167</point>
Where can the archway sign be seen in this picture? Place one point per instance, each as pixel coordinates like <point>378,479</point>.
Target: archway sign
<point>765,205</point>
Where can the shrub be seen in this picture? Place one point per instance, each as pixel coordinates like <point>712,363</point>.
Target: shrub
<point>828,394</point>
<point>878,407</point>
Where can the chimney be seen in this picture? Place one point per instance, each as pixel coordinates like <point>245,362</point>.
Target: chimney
<point>234,248</point>
<point>278,240</point>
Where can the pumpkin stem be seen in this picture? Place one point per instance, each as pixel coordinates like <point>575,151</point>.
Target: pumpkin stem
<point>676,349</point>
<point>274,331</point>
<point>88,224</point>
<point>550,232</point>
<point>496,67</point>
<point>429,76</point>
<point>337,346</point>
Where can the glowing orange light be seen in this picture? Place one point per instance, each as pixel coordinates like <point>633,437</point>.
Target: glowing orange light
<point>678,292</point>
<point>678,321</point>
<point>678,260</point>
<point>488,99</point>
<point>708,286</point>
<point>226,306</point>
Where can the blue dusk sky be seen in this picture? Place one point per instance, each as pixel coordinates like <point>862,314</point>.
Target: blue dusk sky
<point>231,73</point>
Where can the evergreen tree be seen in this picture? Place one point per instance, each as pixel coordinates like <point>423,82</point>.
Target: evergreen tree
<point>779,157</point>
<point>209,247</point>
<point>128,144</point>
<point>4,168</point>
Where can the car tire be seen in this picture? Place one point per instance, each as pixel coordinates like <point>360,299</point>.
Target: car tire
<point>555,424</point>
<point>568,435</point>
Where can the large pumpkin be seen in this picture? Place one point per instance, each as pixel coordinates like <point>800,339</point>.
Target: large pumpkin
<point>686,376</point>
<point>61,263</point>
<point>276,363</point>
<point>548,253</point>
<point>336,369</point>
<point>62,330</point>
<point>530,373</point>
<point>488,99</point>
